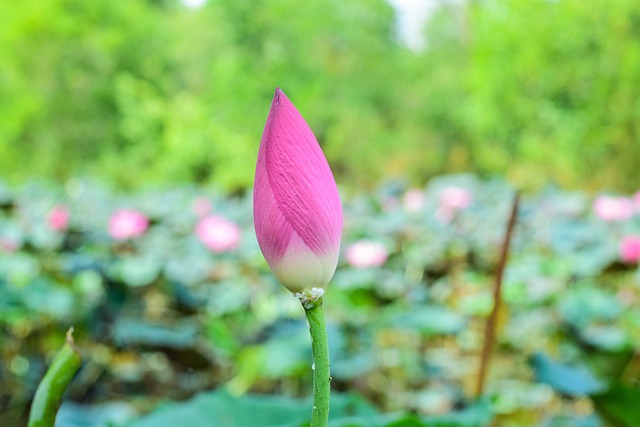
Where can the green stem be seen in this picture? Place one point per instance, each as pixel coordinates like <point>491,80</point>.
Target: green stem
<point>52,387</point>
<point>321,373</point>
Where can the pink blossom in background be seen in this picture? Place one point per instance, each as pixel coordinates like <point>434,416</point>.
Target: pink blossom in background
<point>127,223</point>
<point>365,254</point>
<point>8,245</point>
<point>58,218</point>
<point>201,206</point>
<point>413,200</point>
<point>455,198</point>
<point>609,208</point>
<point>452,200</point>
<point>630,249</point>
<point>218,233</point>
<point>297,213</point>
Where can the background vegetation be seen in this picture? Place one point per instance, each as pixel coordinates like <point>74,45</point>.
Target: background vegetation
<point>537,90</point>
<point>151,112</point>
<point>167,311</point>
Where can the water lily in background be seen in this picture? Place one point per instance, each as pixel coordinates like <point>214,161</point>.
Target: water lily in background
<point>8,245</point>
<point>58,218</point>
<point>611,209</point>
<point>296,207</point>
<point>201,206</point>
<point>630,249</point>
<point>452,200</point>
<point>218,233</point>
<point>127,223</point>
<point>455,198</point>
<point>413,200</point>
<point>366,254</point>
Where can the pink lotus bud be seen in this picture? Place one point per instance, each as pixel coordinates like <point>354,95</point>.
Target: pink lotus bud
<point>630,249</point>
<point>218,233</point>
<point>609,208</point>
<point>127,223</point>
<point>455,198</point>
<point>413,200</point>
<point>296,207</point>
<point>201,206</point>
<point>58,218</point>
<point>364,254</point>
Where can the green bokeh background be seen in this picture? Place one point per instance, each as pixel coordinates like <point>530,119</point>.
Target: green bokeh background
<point>152,92</point>
<point>152,105</point>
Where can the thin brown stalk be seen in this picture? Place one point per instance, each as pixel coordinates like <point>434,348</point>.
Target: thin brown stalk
<point>492,320</point>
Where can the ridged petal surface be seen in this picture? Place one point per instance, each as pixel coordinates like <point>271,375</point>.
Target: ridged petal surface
<point>297,210</point>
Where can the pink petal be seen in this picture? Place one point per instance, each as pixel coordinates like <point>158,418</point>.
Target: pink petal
<point>365,254</point>
<point>455,198</point>
<point>218,233</point>
<point>58,218</point>
<point>610,208</point>
<point>413,200</point>
<point>201,206</point>
<point>127,223</point>
<point>630,249</point>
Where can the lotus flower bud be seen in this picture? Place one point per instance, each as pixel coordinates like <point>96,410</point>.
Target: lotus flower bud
<point>296,207</point>
<point>611,208</point>
<point>365,254</point>
<point>630,249</point>
<point>218,233</point>
<point>58,218</point>
<point>127,224</point>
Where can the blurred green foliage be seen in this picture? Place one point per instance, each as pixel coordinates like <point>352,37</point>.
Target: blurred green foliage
<point>161,316</point>
<point>148,91</point>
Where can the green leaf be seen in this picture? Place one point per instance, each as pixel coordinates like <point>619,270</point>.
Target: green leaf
<point>620,405</point>
<point>132,332</point>
<point>103,415</point>
<point>566,421</point>
<point>44,296</point>
<point>570,380</point>
<point>477,415</point>
<point>430,320</point>
<point>610,338</point>
<point>582,306</point>
<point>220,409</point>
<point>137,270</point>
<point>406,421</point>
<point>19,268</point>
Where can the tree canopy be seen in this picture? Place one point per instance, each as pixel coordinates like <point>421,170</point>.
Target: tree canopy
<point>152,92</point>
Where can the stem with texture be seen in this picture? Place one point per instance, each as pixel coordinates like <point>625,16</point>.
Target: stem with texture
<point>492,320</point>
<point>312,303</point>
<point>52,387</point>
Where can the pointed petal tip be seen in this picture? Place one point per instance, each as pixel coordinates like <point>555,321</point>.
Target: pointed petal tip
<point>277,95</point>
